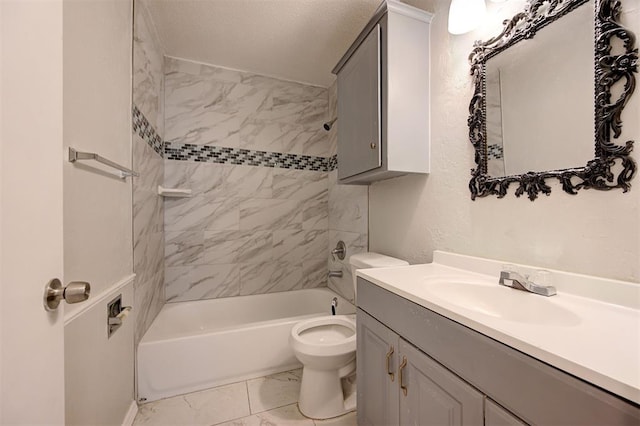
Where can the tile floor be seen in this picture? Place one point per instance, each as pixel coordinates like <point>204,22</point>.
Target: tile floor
<point>270,400</point>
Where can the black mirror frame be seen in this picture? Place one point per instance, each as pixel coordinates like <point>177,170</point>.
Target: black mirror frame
<point>609,69</point>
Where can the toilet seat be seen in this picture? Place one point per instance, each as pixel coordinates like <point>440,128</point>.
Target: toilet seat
<point>325,336</point>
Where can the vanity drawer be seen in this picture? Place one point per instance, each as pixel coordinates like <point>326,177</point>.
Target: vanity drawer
<point>534,391</point>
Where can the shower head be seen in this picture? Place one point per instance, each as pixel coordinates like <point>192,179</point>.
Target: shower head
<point>327,126</point>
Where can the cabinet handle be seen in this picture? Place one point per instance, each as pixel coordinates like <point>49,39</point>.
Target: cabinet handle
<point>402,366</point>
<point>373,145</point>
<point>390,373</point>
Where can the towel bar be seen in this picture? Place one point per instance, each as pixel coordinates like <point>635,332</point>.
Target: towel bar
<point>79,156</point>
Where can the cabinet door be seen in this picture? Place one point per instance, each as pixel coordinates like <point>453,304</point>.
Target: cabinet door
<point>434,395</point>
<point>359,109</point>
<point>495,415</point>
<point>377,389</point>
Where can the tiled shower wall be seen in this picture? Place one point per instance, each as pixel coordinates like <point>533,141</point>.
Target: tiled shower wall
<point>256,223</point>
<point>148,129</point>
<point>348,214</point>
<point>266,208</point>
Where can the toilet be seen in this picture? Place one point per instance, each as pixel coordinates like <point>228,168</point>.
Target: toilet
<point>326,347</point>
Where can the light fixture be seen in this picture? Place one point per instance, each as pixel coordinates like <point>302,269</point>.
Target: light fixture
<point>466,15</point>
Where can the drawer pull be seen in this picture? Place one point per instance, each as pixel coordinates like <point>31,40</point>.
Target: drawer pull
<point>402,366</point>
<point>390,373</point>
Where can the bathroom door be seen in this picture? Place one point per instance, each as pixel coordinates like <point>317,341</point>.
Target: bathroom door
<point>31,161</point>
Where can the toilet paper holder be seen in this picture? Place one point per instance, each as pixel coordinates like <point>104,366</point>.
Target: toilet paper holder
<point>116,313</point>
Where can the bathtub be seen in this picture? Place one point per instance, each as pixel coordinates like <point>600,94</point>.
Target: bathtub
<point>201,344</point>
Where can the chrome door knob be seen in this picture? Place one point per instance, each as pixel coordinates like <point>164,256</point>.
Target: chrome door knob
<point>76,291</point>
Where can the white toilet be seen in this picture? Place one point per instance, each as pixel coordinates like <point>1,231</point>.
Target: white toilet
<point>326,347</point>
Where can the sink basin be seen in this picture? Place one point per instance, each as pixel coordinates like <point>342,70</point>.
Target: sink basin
<point>494,300</point>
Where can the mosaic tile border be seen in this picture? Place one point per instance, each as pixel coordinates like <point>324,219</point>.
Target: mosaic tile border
<point>224,155</point>
<point>333,163</point>
<point>145,130</point>
<point>495,152</point>
<point>247,157</point>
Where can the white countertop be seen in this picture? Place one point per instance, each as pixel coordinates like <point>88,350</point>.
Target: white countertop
<point>594,340</point>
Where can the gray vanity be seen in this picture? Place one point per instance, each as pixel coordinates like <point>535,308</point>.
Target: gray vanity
<point>416,366</point>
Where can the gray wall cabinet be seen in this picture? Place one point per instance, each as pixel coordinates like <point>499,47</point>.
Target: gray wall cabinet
<point>383,97</point>
<point>454,375</point>
<point>359,109</point>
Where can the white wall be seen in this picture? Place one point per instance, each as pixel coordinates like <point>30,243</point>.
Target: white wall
<point>98,372</point>
<point>97,118</point>
<point>593,232</point>
<point>1,192</point>
<point>97,39</point>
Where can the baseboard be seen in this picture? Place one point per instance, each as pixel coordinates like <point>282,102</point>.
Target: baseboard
<point>131,414</point>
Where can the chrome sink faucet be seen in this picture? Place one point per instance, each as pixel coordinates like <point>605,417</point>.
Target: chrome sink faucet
<point>515,280</point>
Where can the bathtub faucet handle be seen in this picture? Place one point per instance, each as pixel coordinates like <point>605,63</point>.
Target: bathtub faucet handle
<point>340,251</point>
<point>334,305</point>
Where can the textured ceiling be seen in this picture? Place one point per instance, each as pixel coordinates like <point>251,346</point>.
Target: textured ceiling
<point>299,40</point>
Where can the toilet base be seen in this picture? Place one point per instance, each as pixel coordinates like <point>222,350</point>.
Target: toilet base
<point>323,395</point>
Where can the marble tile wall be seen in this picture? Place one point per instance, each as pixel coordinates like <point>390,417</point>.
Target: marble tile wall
<point>148,214</point>
<point>206,105</point>
<point>348,214</point>
<point>246,229</point>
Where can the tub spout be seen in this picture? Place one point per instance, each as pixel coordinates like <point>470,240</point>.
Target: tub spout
<point>337,274</point>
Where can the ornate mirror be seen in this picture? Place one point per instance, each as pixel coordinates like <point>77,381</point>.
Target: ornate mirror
<point>533,106</point>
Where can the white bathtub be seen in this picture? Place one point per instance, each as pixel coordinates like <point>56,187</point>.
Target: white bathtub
<point>197,345</point>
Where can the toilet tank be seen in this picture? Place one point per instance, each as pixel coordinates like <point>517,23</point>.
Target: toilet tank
<point>372,260</point>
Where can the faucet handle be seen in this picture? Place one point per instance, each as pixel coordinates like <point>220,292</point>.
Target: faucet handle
<point>542,277</point>
<point>340,251</point>
<point>509,267</point>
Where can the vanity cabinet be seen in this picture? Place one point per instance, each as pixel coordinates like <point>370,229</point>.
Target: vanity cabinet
<point>383,97</point>
<point>455,375</point>
<point>400,385</point>
<point>495,415</point>
<point>376,371</point>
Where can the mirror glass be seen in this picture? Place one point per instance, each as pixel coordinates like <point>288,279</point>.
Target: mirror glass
<point>539,99</point>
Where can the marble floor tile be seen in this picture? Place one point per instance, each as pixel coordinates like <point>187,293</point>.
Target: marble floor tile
<point>287,415</point>
<point>207,407</point>
<point>349,419</point>
<point>274,391</point>
<point>266,401</point>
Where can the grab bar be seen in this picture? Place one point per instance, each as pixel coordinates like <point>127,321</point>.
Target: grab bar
<point>79,156</point>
